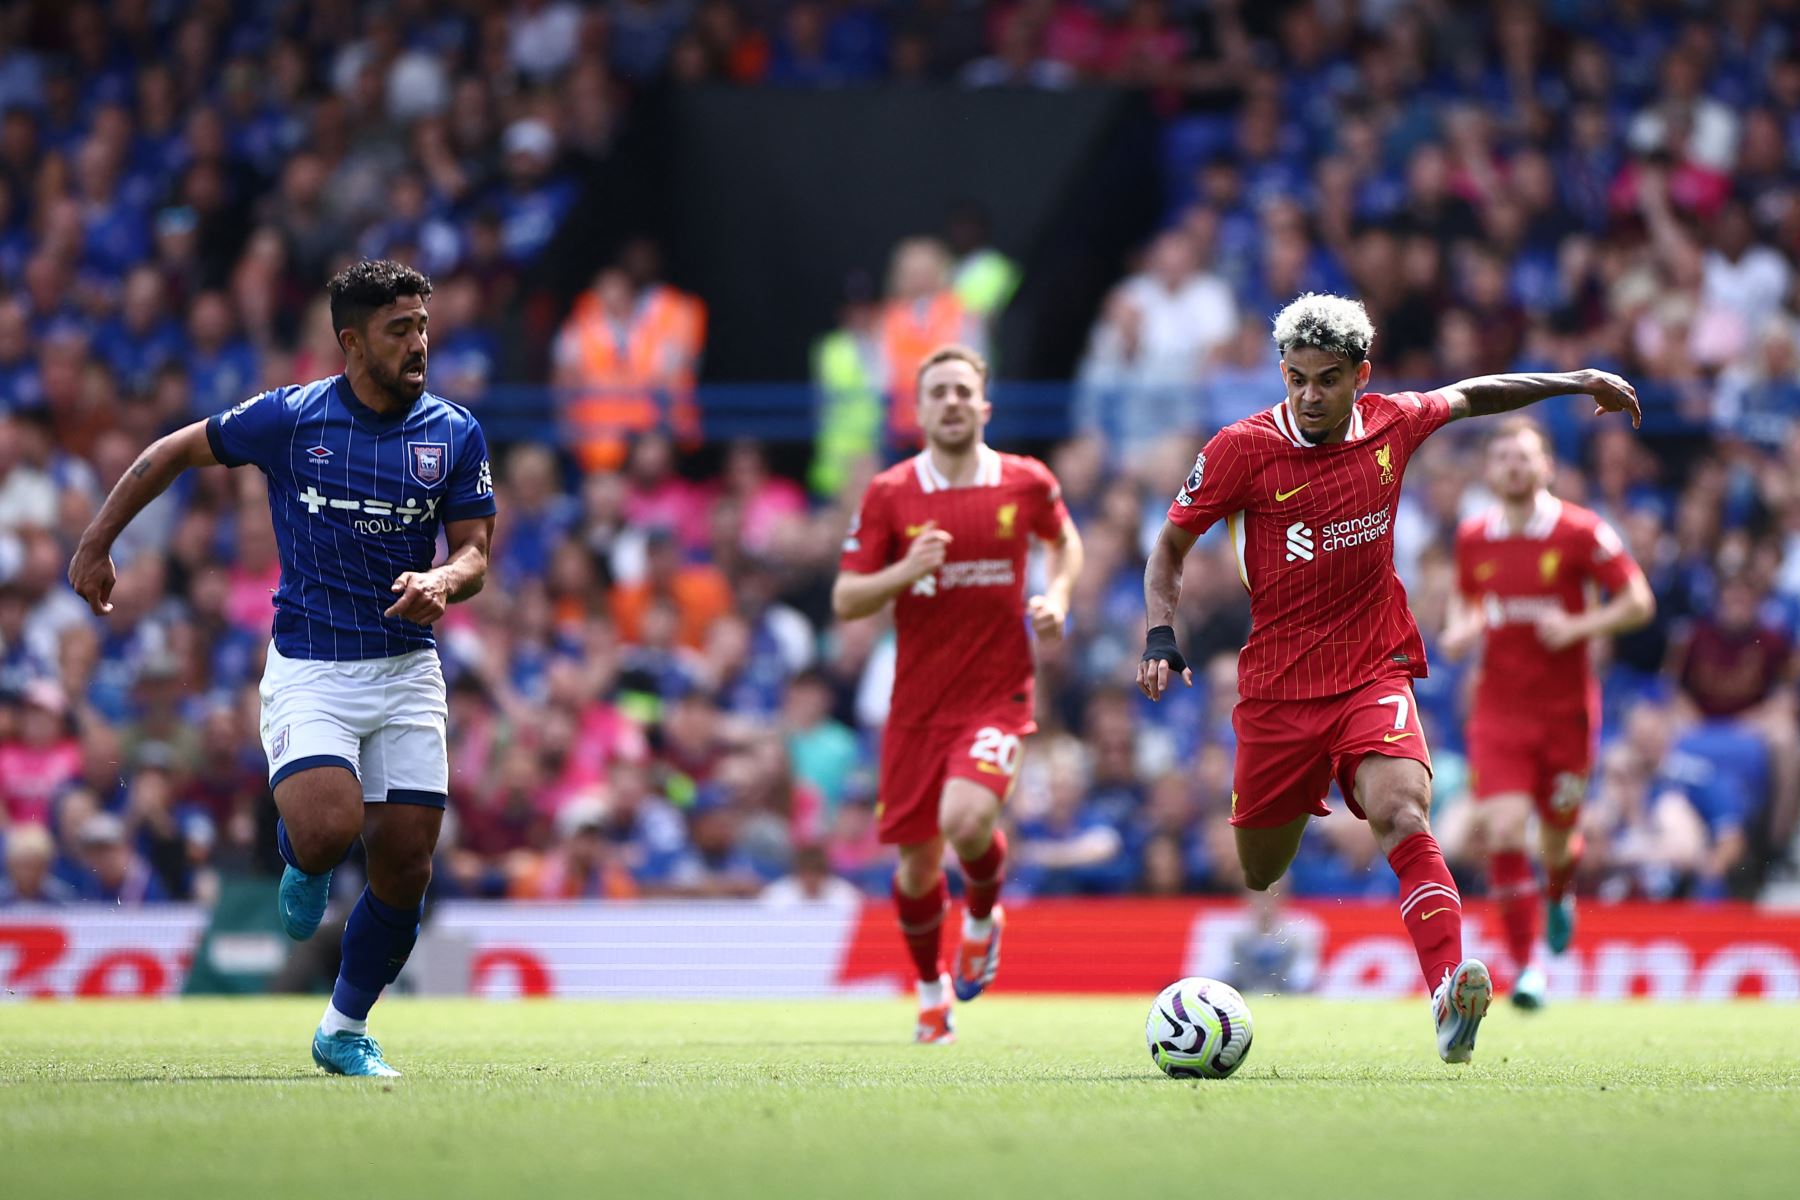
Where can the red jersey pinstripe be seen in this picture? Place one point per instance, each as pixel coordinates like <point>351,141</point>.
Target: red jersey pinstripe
<point>1313,527</point>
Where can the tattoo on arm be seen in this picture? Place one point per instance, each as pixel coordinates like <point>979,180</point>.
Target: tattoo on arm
<point>1490,394</point>
<point>142,468</point>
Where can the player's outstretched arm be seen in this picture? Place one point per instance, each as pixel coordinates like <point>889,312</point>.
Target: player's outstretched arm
<point>91,571</point>
<point>424,595</point>
<point>1489,394</point>
<point>1162,591</point>
<point>859,594</point>
<point>1065,556</point>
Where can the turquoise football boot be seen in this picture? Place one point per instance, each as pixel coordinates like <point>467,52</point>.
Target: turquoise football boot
<point>351,1054</point>
<point>1559,924</point>
<point>301,901</point>
<point>1529,989</point>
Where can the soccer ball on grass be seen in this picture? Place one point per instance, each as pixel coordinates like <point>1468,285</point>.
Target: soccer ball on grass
<point>1198,1029</point>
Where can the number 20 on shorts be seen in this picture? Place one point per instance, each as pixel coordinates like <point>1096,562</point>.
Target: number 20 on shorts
<point>996,750</point>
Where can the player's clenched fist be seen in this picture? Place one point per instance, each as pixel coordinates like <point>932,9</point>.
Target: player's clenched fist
<point>424,595</point>
<point>1162,660</point>
<point>927,552</point>
<point>1047,616</point>
<point>92,575</point>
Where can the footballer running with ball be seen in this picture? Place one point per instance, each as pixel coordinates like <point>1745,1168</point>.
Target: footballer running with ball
<point>1308,490</point>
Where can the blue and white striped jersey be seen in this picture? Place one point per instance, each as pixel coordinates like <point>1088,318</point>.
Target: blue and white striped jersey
<point>357,498</point>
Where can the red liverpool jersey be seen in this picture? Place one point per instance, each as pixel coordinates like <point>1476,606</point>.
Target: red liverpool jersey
<point>1517,577</point>
<point>1313,527</point>
<point>964,652</point>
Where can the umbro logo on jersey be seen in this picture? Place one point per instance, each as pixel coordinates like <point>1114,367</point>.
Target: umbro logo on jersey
<point>1299,542</point>
<point>319,453</point>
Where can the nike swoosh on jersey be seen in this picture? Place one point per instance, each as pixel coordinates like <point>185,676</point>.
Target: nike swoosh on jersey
<point>1281,496</point>
<point>1434,912</point>
<point>1394,737</point>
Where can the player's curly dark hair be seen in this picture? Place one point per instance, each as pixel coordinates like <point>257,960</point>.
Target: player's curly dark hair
<point>361,288</point>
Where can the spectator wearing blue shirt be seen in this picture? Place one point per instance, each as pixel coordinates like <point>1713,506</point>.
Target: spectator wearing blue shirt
<point>716,863</point>
<point>143,336</point>
<point>1341,859</point>
<point>643,826</point>
<point>129,646</point>
<point>29,852</point>
<point>1642,843</point>
<point>659,664</point>
<point>799,57</point>
<point>415,222</point>
<point>1724,795</point>
<point>112,872</point>
<point>223,370</point>
<point>115,234</point>
<point>1069,850</point>
<point>233,652</point>
<point>748,685</point>
<point>465,355</point>
<point>49,312</point>
<point>534,200</point>
<point>19,662</point>
<point>539,513</point>
<point>856,40</point>
<point>15,235</point>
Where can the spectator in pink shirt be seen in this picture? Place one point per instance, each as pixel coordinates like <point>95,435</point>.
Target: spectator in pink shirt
<point>41,760</point>
<point>657,498</point>
<point>765,501</point>
<point>255,573</point>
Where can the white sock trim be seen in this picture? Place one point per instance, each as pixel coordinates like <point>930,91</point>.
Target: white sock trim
<point>977,929</point>
<point>336,1022</point>
<point>934,994</point>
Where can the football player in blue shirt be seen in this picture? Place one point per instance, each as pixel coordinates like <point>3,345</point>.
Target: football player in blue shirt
<point>364,470</point>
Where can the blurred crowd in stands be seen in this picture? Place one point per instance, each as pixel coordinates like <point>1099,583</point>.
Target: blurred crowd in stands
<point>651,697</point>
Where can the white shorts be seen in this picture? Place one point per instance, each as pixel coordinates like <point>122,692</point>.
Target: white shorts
<point>383,719</point>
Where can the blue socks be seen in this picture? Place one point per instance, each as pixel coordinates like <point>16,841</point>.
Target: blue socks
<point>378,938</point>
<point>286,847</point>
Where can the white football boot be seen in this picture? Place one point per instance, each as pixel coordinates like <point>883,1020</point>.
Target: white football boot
<point>1458,1006</point>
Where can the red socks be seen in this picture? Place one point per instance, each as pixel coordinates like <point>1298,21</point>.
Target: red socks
<point>984,875</point>
<point>921,921</point>
<point>1429,906</point>
<point>922,917</point>
<point>1556,878</point>
<point>1513,886</point>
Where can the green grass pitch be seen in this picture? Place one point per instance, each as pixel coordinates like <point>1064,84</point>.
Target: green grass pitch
<point>1042,1097</point>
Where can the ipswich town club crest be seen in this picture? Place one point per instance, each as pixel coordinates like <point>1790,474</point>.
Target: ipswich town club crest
<point>281,742</point>
<point>426,462</point>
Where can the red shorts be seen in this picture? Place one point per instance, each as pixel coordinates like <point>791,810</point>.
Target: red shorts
<point>1289,751</point>
<point>1547,759</point>
<point>917,760</point>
